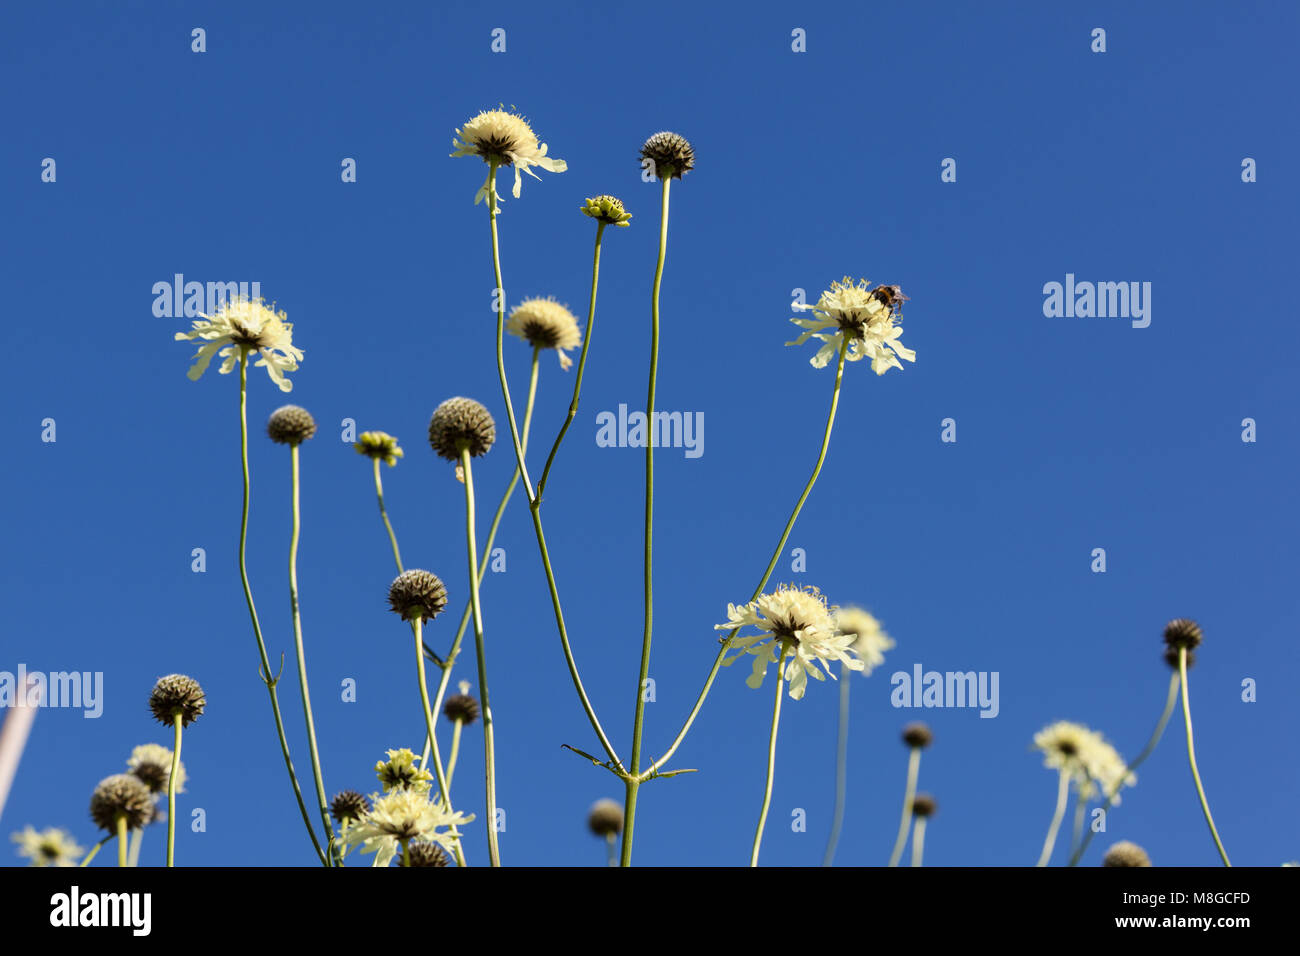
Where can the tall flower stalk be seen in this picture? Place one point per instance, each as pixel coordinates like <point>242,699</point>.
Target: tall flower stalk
<point>291,425</point>
<point>917,736</point>
<point>1171,701</point>
<point>265,664</point>
<point>632,784</point>
<point>1184,638</point>
<point>771,755</point>
<point>1062,797</point>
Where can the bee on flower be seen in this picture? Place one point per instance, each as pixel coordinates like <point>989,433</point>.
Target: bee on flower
<point>864,317</point>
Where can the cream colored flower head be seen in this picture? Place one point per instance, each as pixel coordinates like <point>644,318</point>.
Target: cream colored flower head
<point>795,621</point>
<point>403,815</point>
<point>545,324</point>
<point>152,764</point>
<point>245,325</point>
<point>502,138</point>
<point>49,847</point>
<point>862,315</point>
<point>1092,764</point>
<point>399,772</point>
<point>380,446</point>
<point>869,640</point>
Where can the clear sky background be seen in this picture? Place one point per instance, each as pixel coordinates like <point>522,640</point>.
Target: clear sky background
<point>1072,433</point>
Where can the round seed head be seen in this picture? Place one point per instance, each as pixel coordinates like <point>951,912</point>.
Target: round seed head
<point>671,154</point>
<point>924,805</point>
<point>1171,657</point>
<point>461,707</point>
<point>426,854</point>
<point>349,805</point>
<point>1125,853</point>
<point>1182,632</point>
<point>121,795</point>
<point>605,818</point>
<point>917,735</point>
<point>177,694</point>
<point>417,593</point>
<point>606,209</point>
<point>461,423</point>
<point>152,763</point>
<point>290,425</point>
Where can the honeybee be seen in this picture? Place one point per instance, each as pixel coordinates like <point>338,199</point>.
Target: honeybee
<point>891,296</point>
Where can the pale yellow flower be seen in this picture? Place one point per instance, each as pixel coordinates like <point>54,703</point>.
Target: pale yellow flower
<point>1092,764</point>
<point>400,772</point>
<point>545,324</point>
<point>245,325</point>
<point>48,847</point>
<point>869,640</point>
<point>863,315</point>
<point>379,445</point>
<point>152,763</point>
<point>501,138</point>
<point>794,619</point>
<point>403,815</point>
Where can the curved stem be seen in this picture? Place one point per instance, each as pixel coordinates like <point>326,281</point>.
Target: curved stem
<point>300,647</point>
<point>1191,756</point>
<point>918,841</point>
<point>501,325</point>
<point>771,565</point>
<point>455,751</point>
<point>489,748</point>
<point>582,365</point>
<point>841,772</point>
<point>444,785</point>
<point>771,757</point>
<point>177,720</point>
<point>909,794</point>
<point>568,650</point>
<point>1079,807</point>
<point>383,513</point>
<point>1170,701</point>
<point>252,610</point>
<point>1062,796</point>
<point>638,722</point>
<point>95,849</point>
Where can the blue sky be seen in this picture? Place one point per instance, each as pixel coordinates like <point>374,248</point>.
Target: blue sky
<point>1072,433</point>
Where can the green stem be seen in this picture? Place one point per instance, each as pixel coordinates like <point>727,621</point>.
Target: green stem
<point>841,771</point>
<point>383,513</point>
<point>582,364</point>
<point>252,610</point>
<point>1079,807</point>
<point>611,849</point>
<point>489,748</point>
<point>177,723</point>
<point>444,785</point>
<point>918,841</point>
<point>1191,755</point>
<point>629,818</point>
<point>771,565</point>
<point>1062,797</point>
<point>327,823</point>
<point>1170,701</point>
<point>121,839</point>
<point>501,326</point>
<point>137,840</point>
<point>455,751</point>
<point>909,794</point>
<point>95,849</point>
<point>568,650</point>
<point>486,553</point>
<point>406,853</point>
<point>771,756</point>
